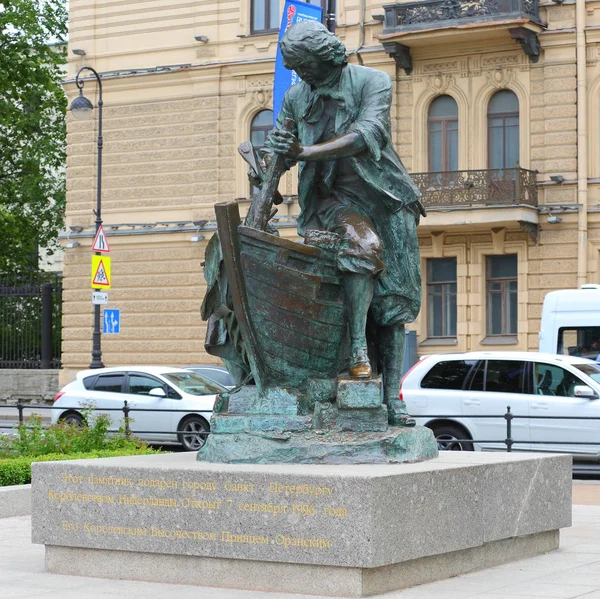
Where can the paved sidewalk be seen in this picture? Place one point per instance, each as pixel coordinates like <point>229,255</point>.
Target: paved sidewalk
<point>572,571</point>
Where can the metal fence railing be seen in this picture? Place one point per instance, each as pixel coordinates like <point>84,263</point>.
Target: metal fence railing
<point>127,410</point>
<point>30,320</point>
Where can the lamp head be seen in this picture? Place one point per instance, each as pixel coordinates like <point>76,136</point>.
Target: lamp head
<point>81,107</point>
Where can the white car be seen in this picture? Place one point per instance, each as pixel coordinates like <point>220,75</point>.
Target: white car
<point>465,395</point>
<point>168,405</point>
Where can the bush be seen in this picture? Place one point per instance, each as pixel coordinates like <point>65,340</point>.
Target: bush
<point>17,470</point>
<point>33,440</point>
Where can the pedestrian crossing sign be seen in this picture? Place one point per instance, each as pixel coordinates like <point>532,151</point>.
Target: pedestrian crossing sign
<point>100,272</point>
<point>100,242</point>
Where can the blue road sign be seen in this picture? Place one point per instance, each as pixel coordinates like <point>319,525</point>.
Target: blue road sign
<point>112,322</point>
<point>294,11</point>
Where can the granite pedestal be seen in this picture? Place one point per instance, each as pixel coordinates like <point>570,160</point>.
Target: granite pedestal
<point>328,530</point>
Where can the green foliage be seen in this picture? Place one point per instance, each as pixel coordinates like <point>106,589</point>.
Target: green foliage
<point>33,440</point>
<point>17,471</point>
<point>32,128</point>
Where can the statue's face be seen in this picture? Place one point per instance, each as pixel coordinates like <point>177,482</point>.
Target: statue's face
<point>310,69</point>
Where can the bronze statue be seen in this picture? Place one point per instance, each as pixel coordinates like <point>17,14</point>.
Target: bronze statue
<point>314,331</point>
<point>352,182</point>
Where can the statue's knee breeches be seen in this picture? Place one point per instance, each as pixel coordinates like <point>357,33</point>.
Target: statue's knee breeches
<point>361,250</point>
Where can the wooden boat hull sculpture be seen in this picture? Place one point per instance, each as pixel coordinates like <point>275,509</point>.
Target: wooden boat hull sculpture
<point>295,299</point>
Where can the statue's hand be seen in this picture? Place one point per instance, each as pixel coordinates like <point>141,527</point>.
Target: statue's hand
<point>254,178</point>
<point>286,143</point>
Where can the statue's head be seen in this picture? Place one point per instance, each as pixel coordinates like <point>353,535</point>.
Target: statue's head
<point>312,51</point>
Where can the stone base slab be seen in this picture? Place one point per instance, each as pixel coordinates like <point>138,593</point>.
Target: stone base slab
<point>369,527</point>
<point>15,501</point>
<point>330,581</point>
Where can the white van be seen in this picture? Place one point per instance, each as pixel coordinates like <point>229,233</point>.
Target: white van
<point>571,322</point>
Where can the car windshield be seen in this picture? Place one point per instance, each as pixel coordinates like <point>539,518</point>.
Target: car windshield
<point>592,370</point>
<point>194,384</point>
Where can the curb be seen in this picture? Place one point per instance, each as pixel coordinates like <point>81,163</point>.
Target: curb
<point>15,501</point>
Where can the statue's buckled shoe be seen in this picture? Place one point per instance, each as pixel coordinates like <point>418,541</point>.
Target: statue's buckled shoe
<point>360,368</point>
<point>398,416</point>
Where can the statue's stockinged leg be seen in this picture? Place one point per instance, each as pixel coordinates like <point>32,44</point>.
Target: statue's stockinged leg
<point>391,351</point>
<point>359,294</point>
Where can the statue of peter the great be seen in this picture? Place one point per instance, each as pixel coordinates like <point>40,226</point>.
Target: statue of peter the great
<point>352,182</point>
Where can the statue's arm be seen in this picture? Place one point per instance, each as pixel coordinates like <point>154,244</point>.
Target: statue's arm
<point>370,131</point>
<point>373,121</point>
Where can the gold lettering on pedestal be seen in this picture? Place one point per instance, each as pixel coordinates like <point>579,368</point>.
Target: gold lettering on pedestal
<point>109,480</point>
<point>69,478</point>
<point>79,497</point>
<point>336,512</point>
<point>66,525</point>
<point>195,535</point>
<point>157,483</point>
<point>300,490</point>
<point>239,487</point>
<point>288,542</point>
<point>263,508</point>
<point>229,537</point>
<point>303,509</point>
<point>147,501</point>
<point>200,505</point>
<point>199,485</point>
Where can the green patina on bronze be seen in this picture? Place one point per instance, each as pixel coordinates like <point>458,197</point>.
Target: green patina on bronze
<point>313,332</point>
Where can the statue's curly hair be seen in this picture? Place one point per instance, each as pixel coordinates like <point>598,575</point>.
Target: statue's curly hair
<point>314,38</point>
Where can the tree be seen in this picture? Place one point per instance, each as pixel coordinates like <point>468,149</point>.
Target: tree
<point>32,129</point>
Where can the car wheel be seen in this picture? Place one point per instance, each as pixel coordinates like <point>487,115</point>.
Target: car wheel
<point>72,418</point>
<point>448,438</point>
<point>191,437</point>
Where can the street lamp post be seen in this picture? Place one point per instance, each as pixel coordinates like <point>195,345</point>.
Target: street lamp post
<point>81,108</point>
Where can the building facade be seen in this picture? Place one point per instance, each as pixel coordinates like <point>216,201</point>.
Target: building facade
<point>495,115</point>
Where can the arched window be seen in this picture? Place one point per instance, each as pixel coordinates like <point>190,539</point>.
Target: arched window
<point>503,130</point>
<point>442,125</point>
<point>261,125</point>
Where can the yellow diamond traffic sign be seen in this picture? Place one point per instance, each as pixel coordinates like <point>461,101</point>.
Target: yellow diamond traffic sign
<point>100,272</point>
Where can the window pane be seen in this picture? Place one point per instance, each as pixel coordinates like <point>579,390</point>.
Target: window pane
<point>507,376</point>
<point>496,147</point>
<point>512,147</point>
<point>141,385</point>
<point>503,130</point>
<point>450,374</point>
<point>478,377</point>
<point>435,316</point>
<point>592,370</point>
<point>441,269</point>
<point>112,383</point>
<point>435,151</point>
<point>502,267</point>
<point>451,315</point>
<point>503,101</point>
<point>275,16</point>
<point>512,313</point>
<point>443,106</point>
<point>452,150</point>
<point>579,341</point>
<point>263,119</point>
<point>495,314</point>
<point>258,15</point>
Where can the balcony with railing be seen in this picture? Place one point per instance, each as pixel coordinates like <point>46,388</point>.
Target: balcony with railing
<point>431,14</point>
<point>410,24</point>
<point>486,188</point>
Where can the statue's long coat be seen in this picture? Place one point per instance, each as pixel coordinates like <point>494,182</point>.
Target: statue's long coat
<point>364,97</point>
